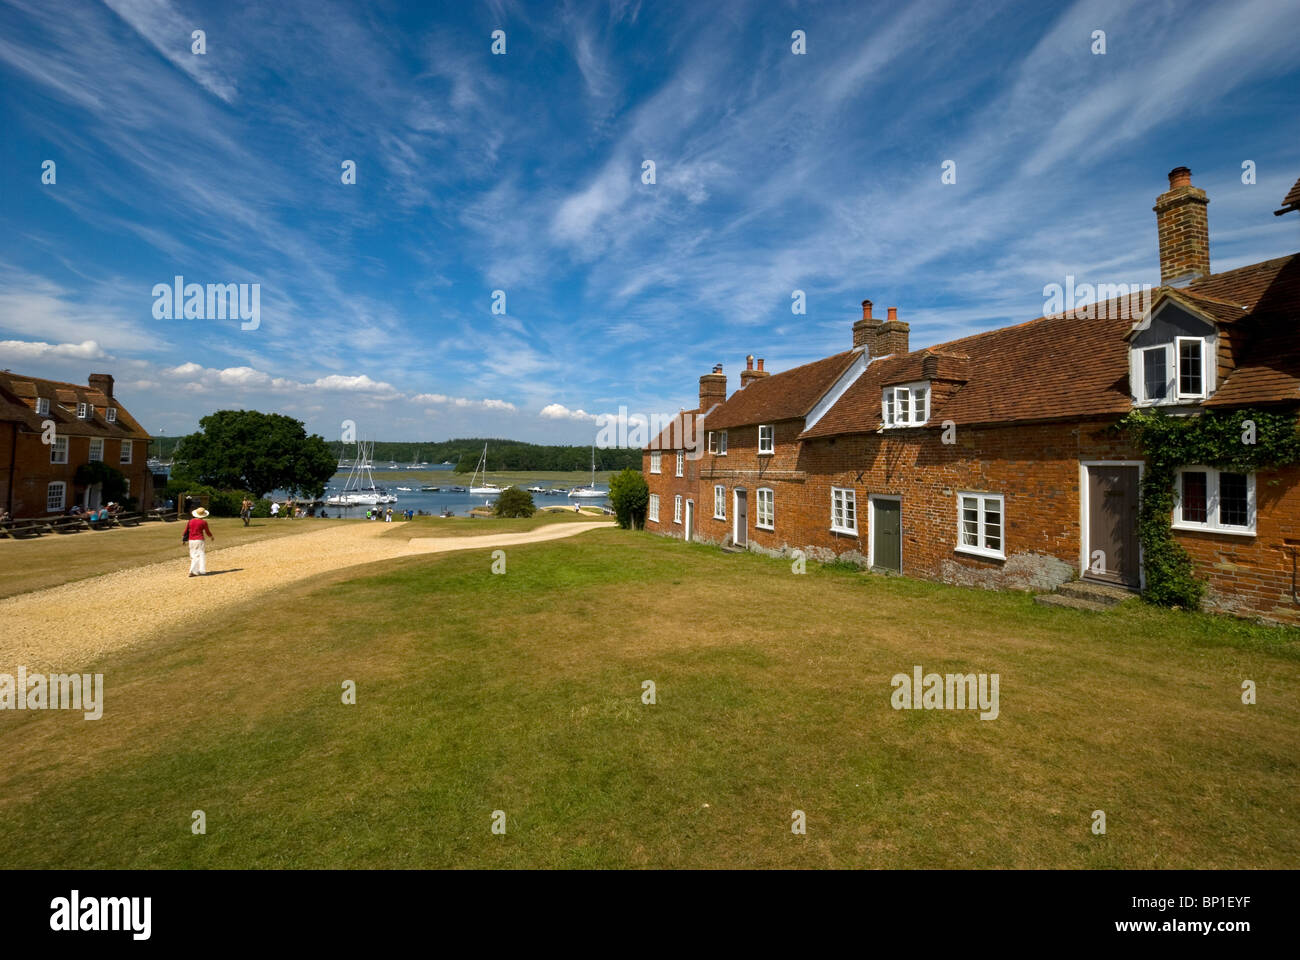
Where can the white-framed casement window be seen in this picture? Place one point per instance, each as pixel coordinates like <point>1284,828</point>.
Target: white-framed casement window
<point>111,414</point>
<point>677,509</point>
<point>905,405</point>
<point>767,438</point>
<point>59,450</point>
<point>681,462</point>
<point>42,406</point>
<point>652,511</point>
<point>719,502</point>
<point>1173,372</point>
<point>844,510</point>
<point>84,410</point>
<point>96,448</point>
<point>1210,499</point>
<point>1190,352</point>
<point>656,461</point>
<point>56,495</point>
<point>126,452</point>
<point>766,507</point>
<point>718,442</point>
<point>979,524</point>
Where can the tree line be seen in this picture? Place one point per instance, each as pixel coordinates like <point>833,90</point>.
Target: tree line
<point>507,455</point>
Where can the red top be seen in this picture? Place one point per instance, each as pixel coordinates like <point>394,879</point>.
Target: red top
<point>198,528</point>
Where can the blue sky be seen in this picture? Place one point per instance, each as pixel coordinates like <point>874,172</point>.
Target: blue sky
<point>774,172</point>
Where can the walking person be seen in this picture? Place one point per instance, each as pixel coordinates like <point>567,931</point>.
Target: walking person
<point>275,510</point>
<point>246,510</point>
<point>196,530</point>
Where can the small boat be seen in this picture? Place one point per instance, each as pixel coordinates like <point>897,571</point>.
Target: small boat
<point>589,493</point>
<point>484,488</point>
<point>536,490</point>
<point>404,489</point>
<point>428,489</point>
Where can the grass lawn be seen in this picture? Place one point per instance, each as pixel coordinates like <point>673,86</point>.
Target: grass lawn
<point>481,526</point>
<point>62,558</point>
<point>522,693</point>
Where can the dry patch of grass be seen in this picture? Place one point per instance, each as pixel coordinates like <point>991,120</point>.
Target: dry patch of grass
<point>522,693</point>
<point>48,561</point>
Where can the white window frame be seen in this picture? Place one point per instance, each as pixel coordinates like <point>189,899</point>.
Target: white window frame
<point>1178,368</point>
<point>656,461</point>
<point>82,410</point>
<point>127,452</point>
<point>719,502</point>
<point>1212,523</point>
<point>759,522</point>
<point>63,496</point>
<point>722,443</point>
<point>110,414</point>
<point>770,446</point>
<point>42,406</point>
<point>1174,394</point>
<point>979,548</point>
<point>889,403</point>
<point>677,508</point>
<point>96,452</point>
<point>652,509</point>
<point>845,496</point>
<point>681,462</point>
<point>59,450</point>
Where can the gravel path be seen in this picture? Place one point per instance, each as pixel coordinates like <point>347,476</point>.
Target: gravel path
<point>70,625</point>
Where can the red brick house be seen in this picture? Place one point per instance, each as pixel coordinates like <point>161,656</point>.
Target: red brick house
<point>39,479</point>
<point>991,460</point>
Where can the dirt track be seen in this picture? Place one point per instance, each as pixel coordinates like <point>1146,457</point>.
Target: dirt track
<point>72,624</point>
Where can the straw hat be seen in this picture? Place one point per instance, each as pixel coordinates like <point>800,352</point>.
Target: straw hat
<point>200,513</point>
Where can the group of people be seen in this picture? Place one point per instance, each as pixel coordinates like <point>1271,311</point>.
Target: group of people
<point>95,514</point>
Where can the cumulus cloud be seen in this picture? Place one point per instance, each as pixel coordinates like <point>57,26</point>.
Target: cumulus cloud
<point>39,350</point>
<point>558,411</point>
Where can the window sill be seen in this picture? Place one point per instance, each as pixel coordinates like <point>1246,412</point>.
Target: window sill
<point>845,530</point>
<point>1198,528</point>
<point>977,552</point>
<point>718,516</point>
<point>767,453</point>
<point>762,526</point>
<point>903,426</point>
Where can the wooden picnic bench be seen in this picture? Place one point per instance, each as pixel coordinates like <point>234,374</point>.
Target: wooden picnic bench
<point>167,516</point>
<point>127,519</point>
<point>67,524</point>
<point>21,529</point>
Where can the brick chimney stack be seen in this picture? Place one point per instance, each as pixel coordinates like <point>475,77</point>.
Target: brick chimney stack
<point>749,374</point>
<point>889,337</point>
<point>713,388</point>
<point>103,382</point>
<point>1183,226</point>
<point>864,329</point>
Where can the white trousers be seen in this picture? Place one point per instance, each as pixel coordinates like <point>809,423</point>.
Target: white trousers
<point>198,557</point>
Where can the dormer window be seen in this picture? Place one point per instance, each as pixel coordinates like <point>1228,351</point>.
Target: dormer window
<point>1173,354</point>
<point>111,414</point>
<point>767,438</point>
<point>906,405</point>
<point>42,406</point>
<point>84,411</point>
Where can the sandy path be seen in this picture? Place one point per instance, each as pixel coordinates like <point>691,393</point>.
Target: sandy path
<point>67,626</point>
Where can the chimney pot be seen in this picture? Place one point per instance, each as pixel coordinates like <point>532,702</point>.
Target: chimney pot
<point>893,313</point>
<point>1180,177</point>
<point>866,309</point>
<point>749,362</point>
<point>760,363</point>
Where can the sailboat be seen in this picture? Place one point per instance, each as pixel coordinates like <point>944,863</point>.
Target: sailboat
<point>484,488</point>
<point>359,489</point>
<point>589,493</point>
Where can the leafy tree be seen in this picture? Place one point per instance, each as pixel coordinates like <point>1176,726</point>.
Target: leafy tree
<point>257,452</point>
<point>514,502</point>
<point>630,496</point>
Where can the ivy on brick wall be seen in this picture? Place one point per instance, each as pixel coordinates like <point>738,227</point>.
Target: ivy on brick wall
<point>1242,441</point>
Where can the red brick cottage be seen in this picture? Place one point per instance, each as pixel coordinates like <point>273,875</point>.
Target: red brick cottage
<point>991,461</point>
<point>38,479</point>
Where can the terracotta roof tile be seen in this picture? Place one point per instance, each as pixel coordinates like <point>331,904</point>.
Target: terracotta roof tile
<point>17,403</point>
<point>1292,199</point>
<point>782,396</point>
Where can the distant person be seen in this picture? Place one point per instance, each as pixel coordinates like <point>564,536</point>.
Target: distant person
<point>577,508</point>
<point>275,509</point>
<point>388,515</point>
<point>246,511</point>
<point>196,530</point>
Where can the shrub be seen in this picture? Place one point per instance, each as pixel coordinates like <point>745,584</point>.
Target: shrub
<point>630,496</point>
<point>514,502</point>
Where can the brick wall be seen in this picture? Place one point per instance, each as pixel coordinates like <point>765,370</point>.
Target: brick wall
<point>668,485</point>
<point>33,472</point>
